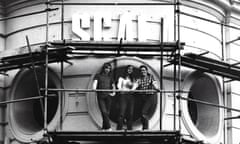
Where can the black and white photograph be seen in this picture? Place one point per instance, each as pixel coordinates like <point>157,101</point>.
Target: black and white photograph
<point>119,71</point>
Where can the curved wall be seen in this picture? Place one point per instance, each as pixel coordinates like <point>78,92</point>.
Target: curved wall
<point>233,88</point>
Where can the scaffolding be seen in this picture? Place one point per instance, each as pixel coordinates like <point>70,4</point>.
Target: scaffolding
<point>59,51</point>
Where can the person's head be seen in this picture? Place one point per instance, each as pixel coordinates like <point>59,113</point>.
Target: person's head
<point>129,69</point>
<point>128,72</point>
<point>106,68</point>
<point>143,70</point>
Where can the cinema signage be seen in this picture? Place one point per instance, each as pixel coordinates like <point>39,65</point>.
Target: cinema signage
<point>130,27</point>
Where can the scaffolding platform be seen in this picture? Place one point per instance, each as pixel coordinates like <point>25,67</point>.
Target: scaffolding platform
<point>210,65</point>
<point>37,58</point>
<point>119,48</point>
<point>60,50</point>
<point>163,137</point>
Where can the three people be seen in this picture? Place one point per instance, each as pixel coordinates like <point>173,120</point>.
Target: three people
<point>127,83</point>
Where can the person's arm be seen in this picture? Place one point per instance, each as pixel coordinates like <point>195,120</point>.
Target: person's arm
<point>119,84</point>
<point>95,83</point>
<point>155,84</point>
<point>135,85</point>
<point>114,88</point>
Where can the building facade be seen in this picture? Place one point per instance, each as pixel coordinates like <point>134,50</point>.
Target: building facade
<point>206,27</point>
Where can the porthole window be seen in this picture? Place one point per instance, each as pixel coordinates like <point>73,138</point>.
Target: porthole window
<point>117,72</point>
<point>27,117</point>
<point>118,67</point>
<point>202,121</point>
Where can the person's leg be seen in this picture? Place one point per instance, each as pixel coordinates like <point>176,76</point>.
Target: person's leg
<point>108,102</point>
<point>122,109</point>
<point>131,102</point>
<point>147,104</point>
<point>104,111</point>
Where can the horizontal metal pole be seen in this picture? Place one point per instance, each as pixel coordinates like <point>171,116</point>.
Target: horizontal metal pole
<point>238,38</point>
<point>207,103</point>
<point>111,90</point>
<point>21,100</point>
<point>28,14</point>
<point>237,63</point>
<point>204,53</point>
<point>117,54</point>
<point>75,44</point>
<point>111,4</point>
<point>230,118</point>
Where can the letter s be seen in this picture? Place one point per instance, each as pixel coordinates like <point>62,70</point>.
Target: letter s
<point>80,21</point>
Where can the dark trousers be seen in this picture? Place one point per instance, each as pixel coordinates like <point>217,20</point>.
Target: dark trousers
<point>147,103</point>
<point>104,103</point>
<point>126,111</point>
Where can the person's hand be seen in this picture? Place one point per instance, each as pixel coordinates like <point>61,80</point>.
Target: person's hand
<point>112,94</point>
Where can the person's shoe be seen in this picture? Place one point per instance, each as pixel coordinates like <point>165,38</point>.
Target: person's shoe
<point>109,129</point>
<point>145,124</point>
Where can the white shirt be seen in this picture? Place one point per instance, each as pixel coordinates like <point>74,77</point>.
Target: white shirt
<point>125,83</point>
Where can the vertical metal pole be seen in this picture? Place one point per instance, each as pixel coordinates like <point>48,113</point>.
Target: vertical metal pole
<point>223,81</point>
<point>222,43</point>
<point>161,75</point>
<point>174,70</point>
<point>62,20</point>
<point>61,97</point>
<point>46,71</point>
<point>228,89</point>
<point>179,63</point>
<point>175,23</point>
<point>61,78</point>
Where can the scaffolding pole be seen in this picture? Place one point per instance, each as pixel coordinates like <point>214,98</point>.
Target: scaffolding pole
<point>174,68</point>
<point>179,62</point>
<point>161,75</point>
<point>113,3</point>
<point>46,72</point>
<point>62,72</point>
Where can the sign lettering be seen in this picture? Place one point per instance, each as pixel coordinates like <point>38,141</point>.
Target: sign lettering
<point>128,27</point>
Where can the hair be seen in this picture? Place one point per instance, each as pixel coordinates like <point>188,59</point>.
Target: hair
<point>126,73</point>
<point>143,66</point>
<point>106,65</point>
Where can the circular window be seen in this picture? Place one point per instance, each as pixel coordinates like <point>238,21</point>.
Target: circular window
<point>119,65</point>
<point>27,117</point>
<point>203,121</point>
<point>117,72</point>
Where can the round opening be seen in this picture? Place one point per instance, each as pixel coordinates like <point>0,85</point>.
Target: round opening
<point>27,117</point>
<point>204,121</point>
<point>119,65</point>
<point>202,115</point>
<point>117,72</point>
